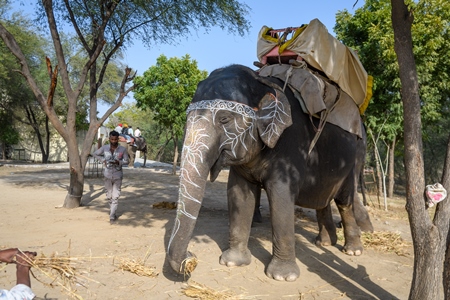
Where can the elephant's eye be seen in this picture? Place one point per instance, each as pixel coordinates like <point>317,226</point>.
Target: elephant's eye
<point>224,119</point>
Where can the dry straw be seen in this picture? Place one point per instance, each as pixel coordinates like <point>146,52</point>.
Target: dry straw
<point>137,267</point>
<point>63,271</point>
<point>190,264</point>
<point>383,241</point>
<point>202,292</point>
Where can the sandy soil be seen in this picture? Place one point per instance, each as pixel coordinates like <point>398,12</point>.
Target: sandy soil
<point>30,220</point>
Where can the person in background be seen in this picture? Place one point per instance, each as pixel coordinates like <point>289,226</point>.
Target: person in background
<point>130,131</point>
<point>22,289</point>
<point>125,134</point>
<point>137,132</point>
<point>113,156</point>
<point>119,128</point>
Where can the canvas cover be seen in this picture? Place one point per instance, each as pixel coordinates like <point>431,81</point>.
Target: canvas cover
<point>316,95</point>
<point>322,51</point>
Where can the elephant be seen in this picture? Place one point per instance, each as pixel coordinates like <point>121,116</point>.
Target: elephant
<point>241,120</point>
<point>141,145</point>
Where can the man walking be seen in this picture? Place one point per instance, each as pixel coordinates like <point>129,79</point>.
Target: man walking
<point>113,156</point>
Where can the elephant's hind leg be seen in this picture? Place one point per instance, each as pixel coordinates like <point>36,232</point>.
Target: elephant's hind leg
<point>353,245</point>
<point>327,229</point>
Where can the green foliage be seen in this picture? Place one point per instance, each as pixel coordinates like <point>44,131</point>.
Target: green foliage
<point>8,134</point>
<point>150,21</point>
<point>369,31</point>
<point>167,89</point>
<point>129,114</point>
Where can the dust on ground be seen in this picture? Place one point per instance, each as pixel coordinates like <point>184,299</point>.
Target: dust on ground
<point>31,220</point>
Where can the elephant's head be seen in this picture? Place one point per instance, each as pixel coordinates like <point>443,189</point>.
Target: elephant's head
<point>221,133</point>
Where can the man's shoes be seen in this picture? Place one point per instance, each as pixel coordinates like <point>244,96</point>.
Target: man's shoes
<point>113,221</point>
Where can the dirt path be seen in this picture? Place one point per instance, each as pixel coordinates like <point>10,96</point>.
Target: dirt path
<point>30,221</point>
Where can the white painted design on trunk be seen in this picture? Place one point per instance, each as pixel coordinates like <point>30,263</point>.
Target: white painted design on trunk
<point>192,154</point>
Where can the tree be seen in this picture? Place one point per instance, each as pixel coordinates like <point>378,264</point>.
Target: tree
<point>167,89</point>
<point>103,28</point>
<point>8,135</point>
<point>430,236</point>
<point>16,98</point>
<point>370,32</point>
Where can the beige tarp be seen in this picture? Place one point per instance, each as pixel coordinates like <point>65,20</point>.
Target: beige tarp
<point>317,96</point>
<point>324,52</point>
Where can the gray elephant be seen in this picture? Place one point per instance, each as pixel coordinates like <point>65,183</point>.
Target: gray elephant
<point>242,120</point>
<point>141,145</point>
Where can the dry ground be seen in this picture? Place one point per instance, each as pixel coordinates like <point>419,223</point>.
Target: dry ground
<point>30,220</point>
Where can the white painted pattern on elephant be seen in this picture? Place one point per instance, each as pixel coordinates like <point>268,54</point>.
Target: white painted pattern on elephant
<point>192,154</point>
<point>276,109</point>
<point>194,144</point>
<point>219,104</point>
<point>238,136</point>
<point>195,141</point>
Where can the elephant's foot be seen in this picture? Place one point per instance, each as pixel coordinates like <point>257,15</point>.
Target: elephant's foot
<point>283,270</point>
<point>326,238</point>
<point>233,258</point>
<point>353,249</point>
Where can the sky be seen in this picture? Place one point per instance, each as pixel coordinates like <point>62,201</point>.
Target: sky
<point>217,48</point>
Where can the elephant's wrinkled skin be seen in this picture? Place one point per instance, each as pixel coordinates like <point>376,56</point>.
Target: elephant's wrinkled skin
<point>239,119</point>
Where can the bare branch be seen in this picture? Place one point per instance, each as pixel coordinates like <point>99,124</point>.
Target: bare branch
<point>122,94</point>
<point>53,83</point>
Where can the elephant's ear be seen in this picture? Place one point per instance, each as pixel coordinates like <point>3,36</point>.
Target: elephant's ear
<point>274,116</point>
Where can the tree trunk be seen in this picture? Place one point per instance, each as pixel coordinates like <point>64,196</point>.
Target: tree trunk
<point>175,155</point>
<point>379,181</point>
<point>32,121</point>
<point>3,151</point>
<point>391,167</point>
<point>46,153</point>
<point>76,184</point>
<point>447,270</point>
<point>362,184</point>
<point>429,238</point>
<point>443,222</point>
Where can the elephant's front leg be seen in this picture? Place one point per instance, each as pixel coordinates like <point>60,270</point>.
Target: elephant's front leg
<point>283,265</point>
<point>241,204</point>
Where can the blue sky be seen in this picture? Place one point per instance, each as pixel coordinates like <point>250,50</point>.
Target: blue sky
<point>218,48</point>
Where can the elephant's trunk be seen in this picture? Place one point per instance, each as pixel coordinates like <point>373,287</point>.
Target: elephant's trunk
<point>195,166</point>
